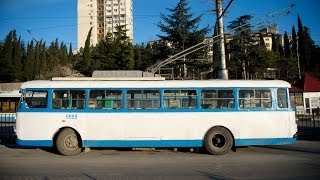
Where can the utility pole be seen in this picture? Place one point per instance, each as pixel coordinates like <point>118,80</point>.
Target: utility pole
<point>223,72</point>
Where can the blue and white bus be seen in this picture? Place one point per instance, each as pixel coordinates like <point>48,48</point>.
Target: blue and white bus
<point>71,114</point>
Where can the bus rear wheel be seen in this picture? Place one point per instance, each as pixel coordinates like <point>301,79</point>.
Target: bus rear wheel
<point>68,142</point>
<point>218,141</point>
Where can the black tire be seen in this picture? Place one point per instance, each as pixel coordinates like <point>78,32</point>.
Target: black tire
<point>68,143</point>
<point>218,141</point>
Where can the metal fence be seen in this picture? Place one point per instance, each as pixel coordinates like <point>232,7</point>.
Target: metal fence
<point>7,124</point>
<point>308,120</point>
<point>308,125</point>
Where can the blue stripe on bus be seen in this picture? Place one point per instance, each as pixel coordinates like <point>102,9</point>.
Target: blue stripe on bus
<point>142,143</point>
<point>264,141</point>
<point>159,143</point>
<point>149,110</point>
<point>35,143</point>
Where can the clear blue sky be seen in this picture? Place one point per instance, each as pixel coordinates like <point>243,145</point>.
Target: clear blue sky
<point>51,19</point>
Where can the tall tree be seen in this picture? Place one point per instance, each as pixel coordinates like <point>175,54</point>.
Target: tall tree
<point>124,52</point>
<point>43,60</point>
<point>36,64</point>
<point>286,45</point>
<point>304,47</point>
<point>241,42</point>
<point>294,45</point>
<point>6,63</point>
<point>29,64</point>
<point>84,65</point>
<point>17,60</point>
<point>63,54</point>
<point>70,55</point>
<point>180,28</point>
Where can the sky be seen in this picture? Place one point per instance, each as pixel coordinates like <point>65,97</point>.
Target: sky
<point>51,19</point>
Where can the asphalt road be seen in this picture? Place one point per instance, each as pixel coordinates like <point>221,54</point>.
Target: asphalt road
<point>298,161</point>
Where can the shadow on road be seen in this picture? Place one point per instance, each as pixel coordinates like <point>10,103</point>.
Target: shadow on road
<point>295,149</point>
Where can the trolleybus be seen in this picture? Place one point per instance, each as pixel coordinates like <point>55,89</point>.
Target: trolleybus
<point>71,114</point>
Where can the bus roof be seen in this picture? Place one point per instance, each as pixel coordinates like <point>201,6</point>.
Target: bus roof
<point>155,84</point>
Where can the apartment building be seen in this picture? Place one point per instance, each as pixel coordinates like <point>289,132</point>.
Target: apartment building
<point>104,16</point>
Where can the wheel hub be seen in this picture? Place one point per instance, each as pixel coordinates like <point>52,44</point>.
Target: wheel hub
<point>71,142</point>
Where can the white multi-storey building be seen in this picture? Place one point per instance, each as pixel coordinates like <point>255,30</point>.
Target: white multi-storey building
<point>104,16</point>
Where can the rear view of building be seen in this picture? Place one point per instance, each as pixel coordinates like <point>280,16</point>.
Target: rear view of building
<point>104,16</point>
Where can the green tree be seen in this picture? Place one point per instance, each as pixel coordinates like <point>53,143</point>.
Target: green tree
<point>70,55</point>
<point>36,64</point>
<point>6,61</point>
<point>63,54</point>
<point>84,64</point>
<point>43,60</point>
<point>103,54</point>
<point>305,45</point>
<point>17,60</point>
<point>180,28</point>
<point>29,64</point>
<point>124,54</point>
<point>53,55</point>
<point>294,43</point>
<point>239,45</point>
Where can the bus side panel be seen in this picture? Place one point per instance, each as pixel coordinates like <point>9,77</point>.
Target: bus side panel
<point>39,128</point>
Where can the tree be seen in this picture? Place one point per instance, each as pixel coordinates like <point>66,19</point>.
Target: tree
<point>124,55</point>
<point>304,48</point>
<point>180,28</point>
<point>6,62</point>
<point>294,45</point>
<point>114,52</point>
<point>63,54</point>
<point>70,55</point>
<point>43,60</point>
<point>182,31</point>
<point>103,54</point>
<point>17,60</point>
<point>36,64</point>
<point>84,65</point>
<point>240,43</point>
<point>29,64</point>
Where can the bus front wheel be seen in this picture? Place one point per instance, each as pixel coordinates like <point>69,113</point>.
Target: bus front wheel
<point>68,142</point>
<point>218,141</point>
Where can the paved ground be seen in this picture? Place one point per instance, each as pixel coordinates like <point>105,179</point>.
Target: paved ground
<point>298,161</point>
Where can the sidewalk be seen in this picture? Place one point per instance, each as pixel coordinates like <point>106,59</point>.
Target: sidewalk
<point>301,145</point>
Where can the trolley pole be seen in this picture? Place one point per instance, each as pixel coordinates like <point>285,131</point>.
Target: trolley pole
<point>223,72</point>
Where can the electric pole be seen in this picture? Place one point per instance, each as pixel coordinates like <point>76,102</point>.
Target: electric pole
<point>223,72</point>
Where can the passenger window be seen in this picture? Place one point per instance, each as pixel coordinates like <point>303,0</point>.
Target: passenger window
<point>260,98</point>
<point>105,99</point>
<point>217,99</point>
<point>143,99</point>
<point>183,99</point>
<point>36,99</point>
<point>68,99</point>
<point>282,97</point>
